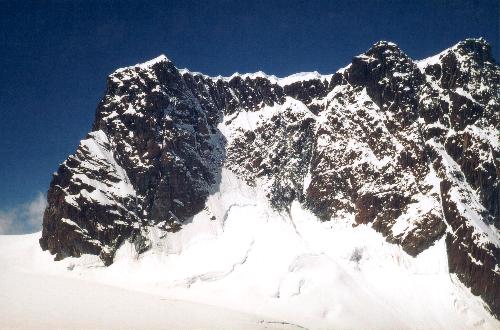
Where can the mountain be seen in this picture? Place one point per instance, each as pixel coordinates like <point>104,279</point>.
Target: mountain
<point>408,148</point>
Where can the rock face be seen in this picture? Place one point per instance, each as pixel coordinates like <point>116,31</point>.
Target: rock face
<point>409,147</point>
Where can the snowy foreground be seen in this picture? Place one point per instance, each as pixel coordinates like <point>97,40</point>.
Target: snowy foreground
<point>250,268</point>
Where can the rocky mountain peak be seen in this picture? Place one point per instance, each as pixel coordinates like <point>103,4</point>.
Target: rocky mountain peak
<point>159,60</point>
<point>382,49</point>
<point>407,148</point>
<point>477,48</point>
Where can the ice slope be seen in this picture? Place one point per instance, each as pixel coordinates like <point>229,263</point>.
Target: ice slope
<point>284,267</point>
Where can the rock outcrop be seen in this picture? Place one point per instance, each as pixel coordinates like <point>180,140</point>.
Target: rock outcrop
<point>408,147</point>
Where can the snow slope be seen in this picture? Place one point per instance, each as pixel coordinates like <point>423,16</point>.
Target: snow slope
<point>289,269</point>
<point>36,292</point>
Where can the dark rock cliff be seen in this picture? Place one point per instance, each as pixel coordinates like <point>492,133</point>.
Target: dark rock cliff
<point>410,147</point>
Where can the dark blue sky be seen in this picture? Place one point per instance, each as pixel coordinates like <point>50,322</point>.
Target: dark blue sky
<point>55,56</point>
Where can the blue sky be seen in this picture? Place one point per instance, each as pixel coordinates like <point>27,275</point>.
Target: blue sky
<point>55,56</point>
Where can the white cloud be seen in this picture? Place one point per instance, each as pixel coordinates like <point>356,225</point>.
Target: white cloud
<point>34,211</point>
<point>25,218</point>
<point>5,222</point>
